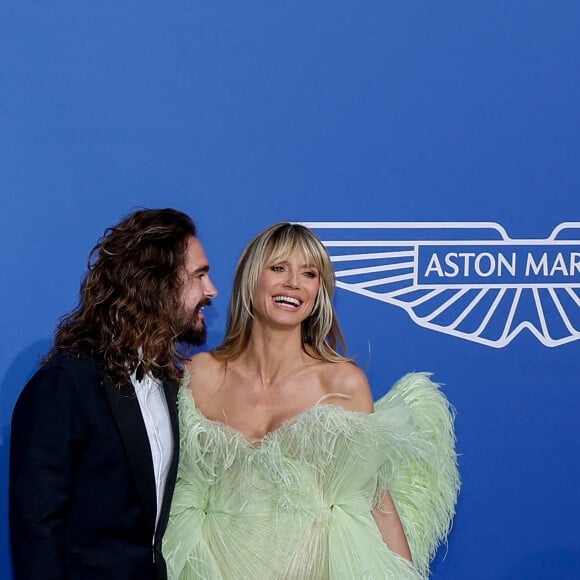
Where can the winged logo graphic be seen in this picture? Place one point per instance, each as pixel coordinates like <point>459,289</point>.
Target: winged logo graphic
<point>466,279</point>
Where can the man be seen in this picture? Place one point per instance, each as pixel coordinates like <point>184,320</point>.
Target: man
<point>95,440</point>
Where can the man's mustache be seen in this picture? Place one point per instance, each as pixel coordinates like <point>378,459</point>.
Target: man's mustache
<point>202,304</point>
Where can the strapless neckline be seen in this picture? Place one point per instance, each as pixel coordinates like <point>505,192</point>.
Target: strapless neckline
<point>232,432</point>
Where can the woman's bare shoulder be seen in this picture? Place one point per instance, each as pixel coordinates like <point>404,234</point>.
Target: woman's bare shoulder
<point>204,370</point>
<point>201,360</point>
<point>349,385</point>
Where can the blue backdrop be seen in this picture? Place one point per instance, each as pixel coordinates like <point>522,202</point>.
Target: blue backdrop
<point>454,125</point>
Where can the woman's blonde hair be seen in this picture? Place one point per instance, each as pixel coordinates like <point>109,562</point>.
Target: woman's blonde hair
<point>320,331</point>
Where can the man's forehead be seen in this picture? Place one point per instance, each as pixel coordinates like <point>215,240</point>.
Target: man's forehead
<point>196,259</point>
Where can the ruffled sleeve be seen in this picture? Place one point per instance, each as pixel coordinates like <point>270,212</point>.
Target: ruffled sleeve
<point>424,481</point>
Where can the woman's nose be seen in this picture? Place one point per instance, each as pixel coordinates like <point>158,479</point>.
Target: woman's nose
<point>292,280</point>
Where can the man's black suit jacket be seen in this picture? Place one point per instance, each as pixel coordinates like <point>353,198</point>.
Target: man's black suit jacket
<point>82,486</point>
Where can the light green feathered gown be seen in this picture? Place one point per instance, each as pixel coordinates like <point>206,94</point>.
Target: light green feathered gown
<point>298,506</point>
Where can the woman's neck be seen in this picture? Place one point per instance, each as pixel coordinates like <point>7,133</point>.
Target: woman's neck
<point>274,353</point>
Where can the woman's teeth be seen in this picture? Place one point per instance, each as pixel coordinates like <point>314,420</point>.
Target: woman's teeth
<point>288,300</point>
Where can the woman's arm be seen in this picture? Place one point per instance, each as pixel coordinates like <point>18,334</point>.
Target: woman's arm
<point>391,528</point>
<point>354,384</point>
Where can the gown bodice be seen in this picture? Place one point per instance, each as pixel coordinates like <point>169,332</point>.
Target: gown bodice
<point>298,503</point>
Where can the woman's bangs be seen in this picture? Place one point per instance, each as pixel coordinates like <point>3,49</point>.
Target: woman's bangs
<point>292,242</point>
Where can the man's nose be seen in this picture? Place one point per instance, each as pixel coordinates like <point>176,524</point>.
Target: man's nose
<point>211,291</point>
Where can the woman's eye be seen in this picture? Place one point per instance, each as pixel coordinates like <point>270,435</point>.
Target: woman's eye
<point>277,268</point>
<point>309,274</point>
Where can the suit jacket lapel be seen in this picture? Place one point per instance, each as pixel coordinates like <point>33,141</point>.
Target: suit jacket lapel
<point>171,389</point>
<point>127,415</point>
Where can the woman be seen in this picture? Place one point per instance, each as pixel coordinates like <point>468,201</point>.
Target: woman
<point>285,470</point>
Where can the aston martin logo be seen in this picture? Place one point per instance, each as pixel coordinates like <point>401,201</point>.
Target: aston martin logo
<point>467,279</point>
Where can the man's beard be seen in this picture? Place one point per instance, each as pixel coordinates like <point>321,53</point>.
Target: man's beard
<point>193,328</point>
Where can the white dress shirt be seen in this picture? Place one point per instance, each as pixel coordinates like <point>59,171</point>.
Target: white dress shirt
<point>155,413</point>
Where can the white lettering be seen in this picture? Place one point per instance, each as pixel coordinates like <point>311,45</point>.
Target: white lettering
<point>477,265</point>
<point>465,265</point>
<point>559,265</point>
<point>536,267</point>
<point>466,256</point>
<point>449,262</point>
<point>434,266</point>
<point>509,266</point>
<point>574,263</point>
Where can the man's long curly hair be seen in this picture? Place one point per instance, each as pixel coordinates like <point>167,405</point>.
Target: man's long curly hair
<point>130,298</point>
